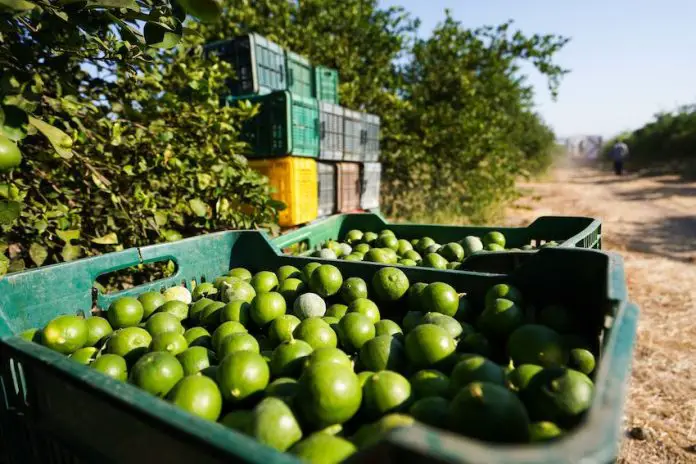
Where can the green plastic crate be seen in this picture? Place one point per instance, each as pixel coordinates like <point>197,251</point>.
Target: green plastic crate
<point>326,84</point>
<point>56,410</point>
<point>287,124</point>
<point>300,75</point>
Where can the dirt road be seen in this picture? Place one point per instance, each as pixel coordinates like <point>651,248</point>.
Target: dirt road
<point>652,223</point>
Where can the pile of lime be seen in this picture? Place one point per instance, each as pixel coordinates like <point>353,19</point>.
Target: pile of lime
<point>314,363</point>
<point>385,247</point>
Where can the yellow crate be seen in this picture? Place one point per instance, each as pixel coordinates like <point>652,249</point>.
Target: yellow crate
<point>295,182</point>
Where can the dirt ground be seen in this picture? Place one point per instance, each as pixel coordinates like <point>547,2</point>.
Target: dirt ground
<point>651,222</point>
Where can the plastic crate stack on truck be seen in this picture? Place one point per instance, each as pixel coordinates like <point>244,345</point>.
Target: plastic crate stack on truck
<point>320,158</point>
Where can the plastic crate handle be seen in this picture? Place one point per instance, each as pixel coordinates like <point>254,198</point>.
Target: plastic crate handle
<point>322,130</point>
<point>282,73</point>
<point>291,76</point>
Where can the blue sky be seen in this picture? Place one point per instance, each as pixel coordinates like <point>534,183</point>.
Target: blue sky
<point>629,59</point>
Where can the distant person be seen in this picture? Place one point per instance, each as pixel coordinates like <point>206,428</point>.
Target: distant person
<point>618,154</point>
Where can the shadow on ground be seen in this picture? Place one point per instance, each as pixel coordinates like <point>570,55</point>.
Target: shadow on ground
<point>672,237</point>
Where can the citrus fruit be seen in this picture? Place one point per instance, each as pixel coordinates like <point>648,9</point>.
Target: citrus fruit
<point>330,355</point>
<point>288,358</point>
<point>502,291</point>
<point>197,308</point>
<point>390,255</point>
<point>204,289</point>
<point>238,290</point>
<point>388,241</point>
<point>518,378</point>
<point>171,342</point>
<point>411,320</point>
<point>157,373</point>
<point>237,311</point>
<point>494,237</point>
<point>281,328</point>
<point>537,344</point>
<point>413,296</point>
<point>558,395</point>
<point>354,329</point>
<point>175,308</point>
<point>316,332</point>
<point>284,388</point>
<point>65,334</point>
<point>407,262</point>
<point>290,289</point>
<point>494,247</point>
<point>384,232</point>
<point>240,273</point>
<point>112,365</point>
<point>558,318</point>
<point>325,253</point>
<point>309,305</point>
<point>354,236</point>
<point>385,392</point>
<point>150,301</point>
<point>178,294</point>
<point>344,249</point>
<point>544,431</point>
<point>388,327</point>
<point>413,255</point>
<point>264,281</point>
<point>332,321</point>
<point>98,329</point>
<point>197,395</point>
<point>287,272</point>
<point>382,353</point>
<point>475,343</point>
<point>326,280</point>
<point>328,394</point>
<point>489,412</point>
<point>266,307</point>
<point>431,410</point>
<point>475,368</point>
<point>369,237</point>
<point>452,252</point>
<point>439,297</point>
<point>194,359</point>
<point>403,246</point>
<point>210,316</point>
<point>450,324</point>
<point>224,330</point>
<point>363,376</point>
<point>454,266</point>
<point>10,156</point>
<point>273,424</point>
<point>239,420</point>
<point>354,257</point>
<point>366,308</point>
<point>323,448</point>
<point>352,289</point>
<point>428,345</point>
<point>581,360</point>
<point>220,282</point>
<point>471,245</point>
<point>424,243</point>
<point>237,342</point>
<point>390,284</point>
<point>129,343</point>
<point>429,382</point>
<point>125,312</point>
<point>336,310</point>
<point>308,270</point>
<point>32,335</point>
<point>163,322</point>
<point>84,355</point>
<point>198,336</point>
<point>361,248</point>
<point>500,319</point>
<point>377,255</point>
<point>370,434</point>
<point>242,376</point>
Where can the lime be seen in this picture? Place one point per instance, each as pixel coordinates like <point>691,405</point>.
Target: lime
<point>198,395</point>
<point>388,327</point>
<point>370,434</point>
<point>494,238</point>
<point>471,245</point>
<point>361,248</point>
<point>432,249</point>
<point>198,336</point>
<point>385,232</point>
<point>150,301</point>
<point>323,448</point>
<point>163,322</point>
<point>333,322</point>
<point>403,246</point>
<point>281,328</point>
<point>178,294</point>
<point>428,345</point>
<point>204,289</point>
<point>129,343</point>
<point>581,360</point>
<point>382,353</point>
<point>84,355</point>
<point>537,344</point>
<point>264,281</point>
<point>544,431</point>
<point>336,310</point>
<point>308,270</point>
<point>207,11</point>
<point>500,319</point>
<point>287,272</point>
<point>344,249</point>
<point>388,241</point>
<point>176,308</point>
<point>365,307</point>
<point>411,320</point>
<point>125,312</point>
<point>10,156</point>
<point>377,255</point>
<point>354,329</point>
<point>309,305</point>
<point>65,334</point>
<point>238,290</point>
<point>424,243</point>
<point>558,318</point>
<point>413,296</point>
<point>354,257</point>
<point>330,355</point>
<point>325,253</point>
<point>518,378</point>
<point>429,382</point>
<point>489,412</point>
<point>494,247</point>
<point>284,388</point>
<point>369,237</point>
<point>194,359</point>
<point>171,342</point>
<point>450,324</point>
<point>326,280</point>
<point>352,289</point>
<point>316,332</point>
<point>290,289</point>
<point>363,376</point>
<point>288,358</point>
<point>273,424</point>
<point>32,335</point>
<point>413,255</point>
<point>236,342</point>
<point>559,395</point>
<point>452,252</point>
<point>157,373</point>
<point>407,262</point>
<point>454,266</point>
<point>431,410</point>
<point>354,236</point>
<point>328,394</point>
<point>226,329</point>
<point>390,284</point>
<point>266,307</point>
<point>475,368</point>
<point>222,281</point>
<point>242,376</point>
<point>239,420</point>
<point>475,343</point>
<point>391,255</point>
<point>98,329</point>
<point>240,273</point>
<point>385,392</point>
<point>236,311</point>
<point>439,297</point>
<point>502,291</point>
<point>112,365</point>
<point>196,310</point>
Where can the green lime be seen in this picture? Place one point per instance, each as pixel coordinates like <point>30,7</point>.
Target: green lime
<point>328,393</point>
<point>431,410</point>
<point>424,243</point>
<point>544,431</point>
<point>363,376</point>
<point>223,281</point>
<point>370,434</point>
<point>439,297</point>
<point>390,284</point>
<point>204,289</point>
<point>273,424</point>
<point>354,329</point>
<point>197,308</point>
<point>475,343</point>
<point>129,343</point>
<point>290,289</point>
<point>309,305</point>
<point>407,262</point>
<point>385,232</point>
<point>98,329</point>
<point>494,238</point>
<point>413,255</point>
<point>385,392</point>
<point>336,310</point>
<point>452,252</point>
<point>325,253</point>
<point>288,272</point>
<point>489,412</point>
<point>377,255</point>
<point>344,250</point>
<point>264,281</point>
<point>537,344</point>
<point>388,327</point>
<point>391,255</point>
<point>581,360</point>
<point>413,296</point>
<point>354,236</point>
<point>429,382</point>
<point>163,322</point>
<point>505,291</point>
<point>151,301</point>
<point>308,270</point>
<point>518,378</point>
<point>352,289</point>
<point>500,319</point>
<point>157,373</point>
<point>330,355</point>
<point>326,280</point>
<point>281,328</point>
<point>475,368</point>
<point>112,365</point>
<point>284,388</point>
<point>471,245</point>
<point>369,237</point>
<point>316,332</point>
<point>403,247</point>
<point>366,308</point>
<point>558,395</point>
<point>210,316</point>
<point>361,248</point>
<point>242,376</point>
<point>240,273</point>
<point>224,330</point>
<point>84,355</point>
<point>10,155</point>
<point>194,359</point>
<point>198,336</point>
<point>125,312</point>
<point>288,358</point>
<point>382,353</point>
<point>388,241</point>
<point>450,324</point>
<point>236,342</point>
<point>266,307</point>
<point>333,322</point>
<point>66,334</point>
<point>238,290</point>
<point>411,320</point>
<point>175,308</point>
<point>494,247</point>
<point>237,311</point>
<point>198,395</point>
<point>323,448</point>
<point>428,345</point>
<point>354,257</point>
<point>239,420</point>
<point>178,294</point>
<point>454,266</point>
<point>171,342</point>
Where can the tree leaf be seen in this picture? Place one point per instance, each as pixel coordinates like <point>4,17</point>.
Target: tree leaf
<point>9,211</point>
<point>4,264</point>
<point>16,265</point>
<point>172,235</point>
<point>130,4</point>
<point>71,252</point>
<point>68,235</point>
<point>38,253</point>
<point>61,141</point>
<point>161,218</point>
<point>108,239</point>
<point>16,5</point>
<point>13,123</point>
<point>198,207</point>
